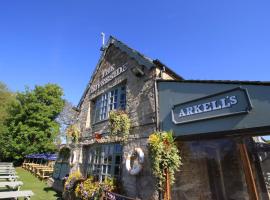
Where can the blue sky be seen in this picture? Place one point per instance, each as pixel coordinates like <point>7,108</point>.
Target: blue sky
<point>59,41</point>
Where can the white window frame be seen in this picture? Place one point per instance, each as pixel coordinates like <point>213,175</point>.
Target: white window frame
<point>110,100</point>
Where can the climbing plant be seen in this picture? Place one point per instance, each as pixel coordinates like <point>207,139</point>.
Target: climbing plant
<point>164,156</point>
<point>119,123</point>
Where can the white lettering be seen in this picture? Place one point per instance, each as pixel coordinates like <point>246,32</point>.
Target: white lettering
<point>233,100</point>
<point>182,113</point>
<point>207,107</point>
<point>189,110</point>
<point>197,109</point>
<point>108,75</point>
<point>214,105</point>
<point>222,103</point>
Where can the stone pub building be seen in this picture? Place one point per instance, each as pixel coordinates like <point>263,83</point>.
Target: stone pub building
<point>216,124</point>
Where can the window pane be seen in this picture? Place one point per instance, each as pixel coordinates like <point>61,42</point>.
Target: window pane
<point>117,159</point>
<point>107,159</point>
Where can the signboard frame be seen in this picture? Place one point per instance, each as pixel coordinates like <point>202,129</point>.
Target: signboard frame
<point>248,109</point>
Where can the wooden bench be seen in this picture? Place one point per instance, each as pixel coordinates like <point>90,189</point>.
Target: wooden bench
<point>16,194</point>
<point>12,184</point>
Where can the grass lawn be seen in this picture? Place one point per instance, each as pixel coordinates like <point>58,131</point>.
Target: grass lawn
<point>40,188</point>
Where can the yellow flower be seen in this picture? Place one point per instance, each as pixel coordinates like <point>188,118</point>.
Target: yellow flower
<point>153,138</point>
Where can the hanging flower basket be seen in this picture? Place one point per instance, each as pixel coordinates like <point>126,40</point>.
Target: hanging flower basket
<point>73,132</point>
<point>120,124</point>
<point>165,156</point>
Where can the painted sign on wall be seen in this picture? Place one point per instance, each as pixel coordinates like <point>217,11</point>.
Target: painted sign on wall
<point>108,75</point>
<point>230,102</point>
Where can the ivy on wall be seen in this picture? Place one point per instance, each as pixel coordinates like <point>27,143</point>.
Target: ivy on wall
<point>164,156</point>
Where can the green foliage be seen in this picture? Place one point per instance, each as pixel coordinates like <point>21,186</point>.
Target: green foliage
<point>31,125</point>
<point>73,131</point>
<point>164,156</point>
<point>7,98</point>
<point>119,123</point>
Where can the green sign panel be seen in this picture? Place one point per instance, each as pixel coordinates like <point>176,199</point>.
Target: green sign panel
<point>222,104</point>
<point>191,108</point>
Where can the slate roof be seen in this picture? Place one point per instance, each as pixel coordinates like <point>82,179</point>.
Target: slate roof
<point>140,58</point>
<point>263,83</point>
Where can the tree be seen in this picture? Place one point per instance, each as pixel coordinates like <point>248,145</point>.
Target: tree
<point>67,117</point>
<point>32,126</point>
<point>6,100</point>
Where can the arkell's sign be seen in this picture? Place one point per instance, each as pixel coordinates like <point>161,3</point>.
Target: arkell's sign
<point>108,75</point>
<point>230,102</point>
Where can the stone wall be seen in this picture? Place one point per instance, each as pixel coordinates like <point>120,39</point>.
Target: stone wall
<point>140,105</point>
<point>141,186</point>
<point>139,90</point>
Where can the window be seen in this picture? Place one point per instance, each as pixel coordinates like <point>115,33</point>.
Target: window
<point>111,100</point>
<point>105,161</point>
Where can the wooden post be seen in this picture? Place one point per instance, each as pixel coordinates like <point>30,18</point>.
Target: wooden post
<point>167,193</point>
<point>252,189</point>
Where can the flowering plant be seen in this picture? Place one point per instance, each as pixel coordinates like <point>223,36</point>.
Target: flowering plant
<point>71,180</point>
<point>119,123</point>
<point>90,189</point>
<point>73,131</point>
<point>164,156</point>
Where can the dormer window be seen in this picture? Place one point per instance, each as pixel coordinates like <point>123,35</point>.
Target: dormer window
<point>113,99</point>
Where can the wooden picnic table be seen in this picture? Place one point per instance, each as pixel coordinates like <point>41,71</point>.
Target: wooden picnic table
<point>37,168</point>
<point>15,194</point>
<point>6,163</point>
<point>8,173</point>
<point>2,169</point>
<point>6,166</point>
<point>31,166</point>
<point>45,173</point>
<point>12,184</point>
<point>9,177</point>
<point>3,172</point>
<point>10,170</point>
